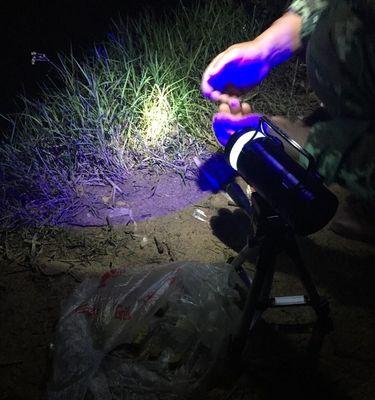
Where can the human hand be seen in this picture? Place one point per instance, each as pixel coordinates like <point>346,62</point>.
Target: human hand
<point>226,121</point>
<point>233,72</point>
<point>244,65</point>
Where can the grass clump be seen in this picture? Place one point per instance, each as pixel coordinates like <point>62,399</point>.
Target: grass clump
<point>133,102</point>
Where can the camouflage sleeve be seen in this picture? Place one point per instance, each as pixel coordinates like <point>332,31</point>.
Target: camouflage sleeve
<point>330,142</point>
<point>353,165</point>
<point>310,11</point>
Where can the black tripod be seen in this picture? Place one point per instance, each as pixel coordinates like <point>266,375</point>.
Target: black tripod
<point>273,237</point>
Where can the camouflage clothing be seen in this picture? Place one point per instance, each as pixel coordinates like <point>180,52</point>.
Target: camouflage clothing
<point>340,54</point>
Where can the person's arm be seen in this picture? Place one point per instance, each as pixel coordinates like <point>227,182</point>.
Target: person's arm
<point>281,39</point>
<point>287,34</point>
<point>309,11</point>
<point>244,65</point>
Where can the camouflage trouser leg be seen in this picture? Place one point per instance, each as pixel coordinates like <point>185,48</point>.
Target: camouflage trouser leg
<point>353,167</point>
<point>341,66</point>
<point>357,171</point>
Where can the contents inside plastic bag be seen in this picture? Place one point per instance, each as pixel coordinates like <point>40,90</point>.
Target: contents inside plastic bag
<point>146,333</point>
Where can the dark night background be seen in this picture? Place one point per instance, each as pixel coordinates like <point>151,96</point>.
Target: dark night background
<point>52,27</point>
<point>56,26</point>
<point>31,297</point>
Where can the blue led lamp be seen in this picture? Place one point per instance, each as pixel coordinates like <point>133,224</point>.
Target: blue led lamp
<point>297,193</point>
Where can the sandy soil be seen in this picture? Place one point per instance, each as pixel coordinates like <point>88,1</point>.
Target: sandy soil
<point>158,223</point>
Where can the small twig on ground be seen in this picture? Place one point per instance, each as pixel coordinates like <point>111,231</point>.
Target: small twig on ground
<point>109,224</point>
<point>169,251</point>
<point>33,251</point>
<point>153,189</point>
<point>116,187</point>
<point>159,246</point>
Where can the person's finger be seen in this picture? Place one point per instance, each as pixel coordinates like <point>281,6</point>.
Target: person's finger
<point>211,70</point>
<point>237,121</point>
<point>214,70</point>
<point>224,108</point>
<point>225,124</point>
<point>224,98</point>
<point>215,95</point>
<point>246,108</point>
<point>206,89</point>
<point>233,102</point>
<point>235,105</point>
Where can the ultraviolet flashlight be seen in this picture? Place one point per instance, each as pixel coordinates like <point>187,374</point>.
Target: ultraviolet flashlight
<point>294,189</point>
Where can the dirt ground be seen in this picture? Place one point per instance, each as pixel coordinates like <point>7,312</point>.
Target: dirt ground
<point>162,220</point>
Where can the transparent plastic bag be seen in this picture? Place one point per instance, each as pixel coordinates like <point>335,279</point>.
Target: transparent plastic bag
<point>149,333</point>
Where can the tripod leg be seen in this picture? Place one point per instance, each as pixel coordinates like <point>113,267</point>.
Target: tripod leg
<point>320,304</point>
<point>237,262</point>
<point>256,301</point>
<point>306,279</point>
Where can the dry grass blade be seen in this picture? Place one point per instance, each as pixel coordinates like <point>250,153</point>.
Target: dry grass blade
<point>133,101</point>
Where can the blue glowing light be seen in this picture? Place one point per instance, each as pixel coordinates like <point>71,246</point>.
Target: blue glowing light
<point>225,124</point>
<point>243,66</point>
<point>238,76</point>
<point>214,173</point>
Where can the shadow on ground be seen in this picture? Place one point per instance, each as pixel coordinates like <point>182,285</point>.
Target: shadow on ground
<point>40,268</point>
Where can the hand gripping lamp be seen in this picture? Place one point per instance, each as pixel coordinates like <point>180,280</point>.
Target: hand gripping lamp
<point>296,193</point>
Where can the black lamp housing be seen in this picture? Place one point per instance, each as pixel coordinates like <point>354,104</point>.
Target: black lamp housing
<point>297,193</point>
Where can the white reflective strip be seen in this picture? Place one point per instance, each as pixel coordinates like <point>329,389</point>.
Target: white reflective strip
<point>289,300</point>
<point>239,145</point>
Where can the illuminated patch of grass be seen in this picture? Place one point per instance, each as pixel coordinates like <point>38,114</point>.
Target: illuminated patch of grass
<point>133,102</point>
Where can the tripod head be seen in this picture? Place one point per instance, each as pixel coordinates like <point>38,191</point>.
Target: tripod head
<point>293,189</point>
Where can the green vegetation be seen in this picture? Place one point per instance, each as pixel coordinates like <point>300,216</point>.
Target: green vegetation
<point>134,102</point>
